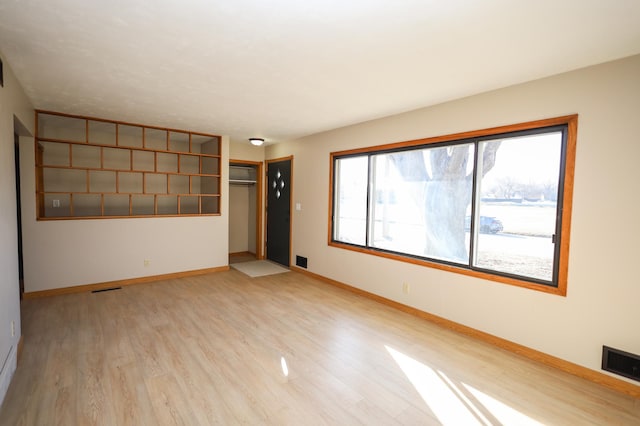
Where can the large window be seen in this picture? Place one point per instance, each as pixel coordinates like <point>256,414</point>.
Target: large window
<point>493,203</point>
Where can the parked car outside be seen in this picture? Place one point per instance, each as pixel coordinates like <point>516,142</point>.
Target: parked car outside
<point>488,224</point>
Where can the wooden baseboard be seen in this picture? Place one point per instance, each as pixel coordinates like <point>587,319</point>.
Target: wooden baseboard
<point>242,253</point>
<point>552,361</point>
<point>121,283</point>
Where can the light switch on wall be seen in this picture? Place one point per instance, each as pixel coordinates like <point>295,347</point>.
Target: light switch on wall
<point>298,206</point>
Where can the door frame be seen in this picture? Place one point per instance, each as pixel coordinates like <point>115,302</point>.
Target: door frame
<point>260,248</point>
<point>266,207</point>
<point>16,155</point>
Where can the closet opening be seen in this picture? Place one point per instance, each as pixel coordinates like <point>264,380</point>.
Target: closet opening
<point>245,218</point>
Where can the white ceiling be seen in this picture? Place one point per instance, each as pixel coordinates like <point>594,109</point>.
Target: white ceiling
<point>281,69</point>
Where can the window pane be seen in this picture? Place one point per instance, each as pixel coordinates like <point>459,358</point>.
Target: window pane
<point>419,202</point>
<point>518,205</point>
<point>350,209</point>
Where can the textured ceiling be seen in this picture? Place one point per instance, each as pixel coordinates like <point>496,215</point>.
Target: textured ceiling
<point>281,69</point>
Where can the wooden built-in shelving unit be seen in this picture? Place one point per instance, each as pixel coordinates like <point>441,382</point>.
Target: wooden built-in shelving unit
<point>96,168</point>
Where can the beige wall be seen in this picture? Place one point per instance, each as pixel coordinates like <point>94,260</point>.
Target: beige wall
<point>14,105</point>
<point>76,252</point>
<point>601,307</point>
<point>243,150</point>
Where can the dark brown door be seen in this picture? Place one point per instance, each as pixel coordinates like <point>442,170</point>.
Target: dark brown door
<point>279,211</point>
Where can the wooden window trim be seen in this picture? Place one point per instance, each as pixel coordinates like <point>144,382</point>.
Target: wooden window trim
<point>571,121</point>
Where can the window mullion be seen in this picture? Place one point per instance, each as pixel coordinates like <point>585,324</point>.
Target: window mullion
<point>370,189</point>
<point>336,205</point>
<point>559,208</point>
<point>474,202</point>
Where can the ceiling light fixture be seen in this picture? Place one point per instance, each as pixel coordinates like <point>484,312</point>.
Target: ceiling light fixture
<point>256,141</point>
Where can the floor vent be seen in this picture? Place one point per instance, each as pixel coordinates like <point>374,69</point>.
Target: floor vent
<point>301,262</point>
<point>620,362</point>
<point>106,289</point>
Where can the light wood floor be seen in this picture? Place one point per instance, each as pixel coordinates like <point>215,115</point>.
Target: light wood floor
<point>283,349</point>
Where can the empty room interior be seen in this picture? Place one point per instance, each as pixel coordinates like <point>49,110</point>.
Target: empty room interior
<point>319,212</point>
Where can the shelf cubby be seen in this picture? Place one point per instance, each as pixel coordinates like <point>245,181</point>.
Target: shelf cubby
<point>97,168</point>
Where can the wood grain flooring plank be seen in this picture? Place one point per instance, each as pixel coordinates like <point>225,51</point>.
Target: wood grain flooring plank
<point>93,390</point>
<point>286,349</point>
<point>169,402</point>
<point>129,396</point>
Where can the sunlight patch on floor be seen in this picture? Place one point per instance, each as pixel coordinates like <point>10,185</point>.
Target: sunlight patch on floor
<point>505,414</point>
<point>451,404</point>
<point>285,368</point>
<point>447,407</point>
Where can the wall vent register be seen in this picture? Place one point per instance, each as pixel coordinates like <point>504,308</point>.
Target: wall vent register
<point>620,362</point>
<point>95,168</point>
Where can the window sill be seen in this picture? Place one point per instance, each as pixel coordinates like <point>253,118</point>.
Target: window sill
<point>558,291</point>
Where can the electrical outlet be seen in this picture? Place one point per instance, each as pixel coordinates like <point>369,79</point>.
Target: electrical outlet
<point>13,329</point>
<point>405,288</point>
<point>56,203</point>
<point>147,262</point>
